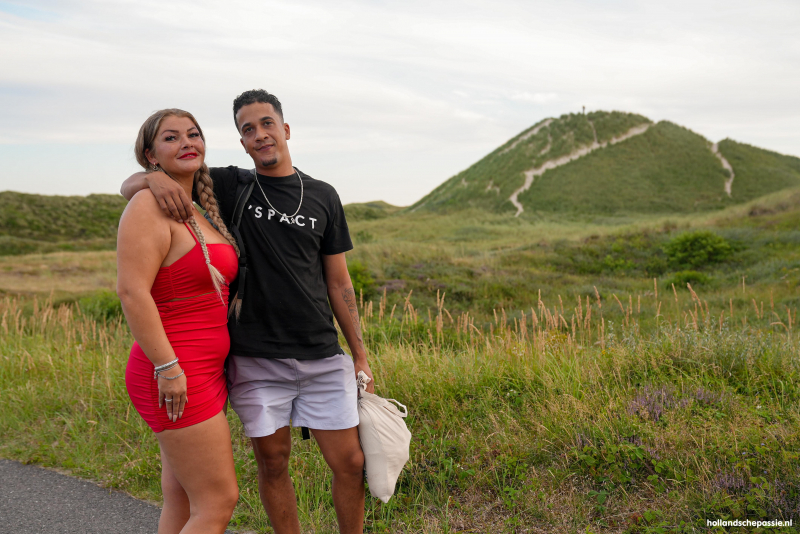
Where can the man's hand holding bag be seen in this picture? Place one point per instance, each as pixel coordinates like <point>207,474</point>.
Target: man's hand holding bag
<point>384,437</point>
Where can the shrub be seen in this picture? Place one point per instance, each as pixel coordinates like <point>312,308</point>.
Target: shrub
<point>362,279</point>
<point>697,249</point>
<point>103,305</point>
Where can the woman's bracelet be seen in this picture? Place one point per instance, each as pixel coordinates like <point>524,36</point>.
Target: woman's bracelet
<point>170,377</point>
<point>165,367</point>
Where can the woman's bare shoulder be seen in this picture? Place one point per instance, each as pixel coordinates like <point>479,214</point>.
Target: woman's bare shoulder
<point>144,204</point>
<point>144,214</point>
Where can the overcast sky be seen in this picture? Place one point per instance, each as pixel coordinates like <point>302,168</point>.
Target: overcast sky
<point>386,99</point>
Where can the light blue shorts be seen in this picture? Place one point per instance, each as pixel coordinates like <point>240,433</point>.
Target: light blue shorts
<point>268,394</point>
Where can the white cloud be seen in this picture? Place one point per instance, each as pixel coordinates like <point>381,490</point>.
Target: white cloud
<point>536,98</point>
<point>386,99</point>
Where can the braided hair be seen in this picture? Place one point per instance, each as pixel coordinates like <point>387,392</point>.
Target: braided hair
<point>202,185</point>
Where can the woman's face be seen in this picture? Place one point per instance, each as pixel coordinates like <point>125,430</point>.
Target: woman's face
<point>178,147</point>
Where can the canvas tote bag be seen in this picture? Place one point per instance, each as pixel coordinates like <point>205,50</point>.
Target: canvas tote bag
<point>384,437</point>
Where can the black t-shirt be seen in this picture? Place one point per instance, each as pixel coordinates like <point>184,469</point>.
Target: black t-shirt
<point>285,311</point>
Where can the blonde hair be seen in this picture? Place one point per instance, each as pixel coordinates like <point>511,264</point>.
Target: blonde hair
<point>202,184</point>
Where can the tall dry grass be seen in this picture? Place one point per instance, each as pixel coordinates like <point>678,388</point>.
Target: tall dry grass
<point>629,413</point>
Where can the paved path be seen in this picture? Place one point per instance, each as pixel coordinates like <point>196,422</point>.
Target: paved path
<point>37,501</point>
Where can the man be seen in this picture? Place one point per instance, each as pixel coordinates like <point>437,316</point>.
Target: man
<point>285,361</point>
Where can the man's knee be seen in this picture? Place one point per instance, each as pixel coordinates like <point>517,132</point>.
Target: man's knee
<point>272,458</point>
<point>349,463</point>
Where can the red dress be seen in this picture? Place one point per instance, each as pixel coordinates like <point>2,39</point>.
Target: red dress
<point>197,329</point>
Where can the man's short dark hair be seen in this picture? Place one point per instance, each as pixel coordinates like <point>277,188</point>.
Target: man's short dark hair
<point>251,97</point>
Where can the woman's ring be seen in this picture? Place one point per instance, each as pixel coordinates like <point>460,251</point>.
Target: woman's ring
<point>167,400</point>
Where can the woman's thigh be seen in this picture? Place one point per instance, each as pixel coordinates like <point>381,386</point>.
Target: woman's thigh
<point>201,458</point>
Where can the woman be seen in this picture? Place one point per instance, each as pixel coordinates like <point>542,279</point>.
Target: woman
<point>173,283</point>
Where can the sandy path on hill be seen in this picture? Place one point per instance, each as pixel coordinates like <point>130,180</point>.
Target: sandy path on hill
<point>528,135</point>
<point>727,165</point>
<point>572,156</point>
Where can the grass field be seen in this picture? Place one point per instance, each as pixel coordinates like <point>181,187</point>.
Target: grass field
<point>561,419</point>
<point>560,374</point>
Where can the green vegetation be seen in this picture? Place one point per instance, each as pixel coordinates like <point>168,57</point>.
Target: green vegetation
<point>637,414</point>
<point>486,262</point>
<point>697,249</point>
<point>368,211</point>
<point>489,182</point>
<point>667,169</point>
<point>39,223</point>
<point>758,171</point>
<point>103,305</point>
<point>552,383</point>
<point>363,283</point>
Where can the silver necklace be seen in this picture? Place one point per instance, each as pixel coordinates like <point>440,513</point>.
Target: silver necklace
<point>270,203</point>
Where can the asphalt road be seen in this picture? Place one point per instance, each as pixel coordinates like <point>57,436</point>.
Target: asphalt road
<point>37,501</point>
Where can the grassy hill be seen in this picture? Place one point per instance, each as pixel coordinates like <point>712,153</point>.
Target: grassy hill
<point>41,223</point>
<point>759,171</point>
<point>368,211</point>
<point>612,163</point>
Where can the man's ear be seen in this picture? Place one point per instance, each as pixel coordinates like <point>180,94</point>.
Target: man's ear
<point>242,141</point>
<point>287,131</point>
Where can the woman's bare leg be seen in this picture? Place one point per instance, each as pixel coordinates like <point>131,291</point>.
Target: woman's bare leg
<point>175,512</point>
<point>201,459</point>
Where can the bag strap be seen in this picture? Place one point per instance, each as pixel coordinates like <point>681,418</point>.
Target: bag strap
<point>244,188</point>
<point>404,413</point>
<point>362,380</point>
<point>245,181</point>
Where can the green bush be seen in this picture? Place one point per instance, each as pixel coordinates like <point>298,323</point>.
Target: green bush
<point>362,279</point>
<point>102,306</point>
<point>692,250</point>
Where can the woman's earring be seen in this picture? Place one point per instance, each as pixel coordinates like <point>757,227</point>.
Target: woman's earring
<point>155,166</point>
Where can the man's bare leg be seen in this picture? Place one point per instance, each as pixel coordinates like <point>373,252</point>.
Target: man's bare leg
<point>274,483</point>
<point>343,454</point>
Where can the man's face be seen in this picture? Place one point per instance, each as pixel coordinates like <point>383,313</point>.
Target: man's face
<point>264,134</point>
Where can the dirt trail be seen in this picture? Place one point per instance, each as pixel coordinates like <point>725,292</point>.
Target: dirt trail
<point>530,134</point>
<point>572,156</point>
<point>726,165</point>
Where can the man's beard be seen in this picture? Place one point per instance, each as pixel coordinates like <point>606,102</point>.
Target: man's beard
<point>269,162</point>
